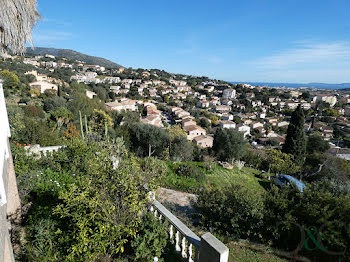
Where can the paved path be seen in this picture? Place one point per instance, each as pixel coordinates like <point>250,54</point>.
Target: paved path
<point>181,203</point>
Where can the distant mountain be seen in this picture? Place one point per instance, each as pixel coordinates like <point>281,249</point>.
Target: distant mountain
<point>68,53</point>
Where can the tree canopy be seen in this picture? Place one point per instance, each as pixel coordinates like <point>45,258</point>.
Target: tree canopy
<point>295,141</point>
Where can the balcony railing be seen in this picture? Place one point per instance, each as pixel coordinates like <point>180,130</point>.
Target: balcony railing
<point>193,248</point>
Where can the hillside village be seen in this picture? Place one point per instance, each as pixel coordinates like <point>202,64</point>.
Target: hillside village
<point>200,104</point>
<point>209,147</point>
<point>100,162</point>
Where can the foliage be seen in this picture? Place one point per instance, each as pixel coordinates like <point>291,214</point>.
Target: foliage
<point>54,103</point>
<point>295,143</point>
<point>181,149</point>
<point>71,132</point>
<point>185,176</point>
<point>62,116</point>
<point>10,79</point>
<point>100,120</point>
<point>229,144</point>
<point>316,143</point>
<point>233,211</point>
<point>148,140</point>
<point>317,206</point>
<point>280,163</point>
<point>150,241</point>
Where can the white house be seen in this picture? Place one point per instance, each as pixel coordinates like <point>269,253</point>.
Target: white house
<point>243,129</point>
<point>229,93</point>
<point>227,124</point>
<point>42,86</point>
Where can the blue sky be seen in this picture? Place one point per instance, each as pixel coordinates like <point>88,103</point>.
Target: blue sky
<point>261,40</point>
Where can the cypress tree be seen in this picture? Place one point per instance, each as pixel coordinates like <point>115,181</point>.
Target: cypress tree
<point>295,141</point>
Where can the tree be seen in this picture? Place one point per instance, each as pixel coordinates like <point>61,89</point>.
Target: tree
<point>203,122</point>
<point>277,162</point>
<point>181,149</point>
<point>295,141</point>
<point>102,209</point>
<point>54,103</point>
<point>100,121</point>
<point>315,144</point>
<point>62,116</point>
<point>149,140</point>
<point>10,79</point>
<point>229,144</point>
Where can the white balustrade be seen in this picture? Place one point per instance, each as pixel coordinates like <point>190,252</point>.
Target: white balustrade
<point>191,246</point>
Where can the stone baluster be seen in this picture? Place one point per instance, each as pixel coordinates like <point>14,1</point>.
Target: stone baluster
<point>151,208</point>
<point>190,253</point>
<point>171,233</point>
<point>177,241</point>
<point>160,217</point>
<point>183,247</point>
<point>155,213</point>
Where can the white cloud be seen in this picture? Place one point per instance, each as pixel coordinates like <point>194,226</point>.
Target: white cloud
<point>50,37</point>
<point>306,62</point>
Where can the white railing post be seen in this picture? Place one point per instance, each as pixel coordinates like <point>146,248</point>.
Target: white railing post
<point>190,253</point>
<point>183,247</point>
<point>177,241</point>
<point>171,233</point>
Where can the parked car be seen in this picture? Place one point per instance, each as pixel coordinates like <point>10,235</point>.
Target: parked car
<point>286,180</point>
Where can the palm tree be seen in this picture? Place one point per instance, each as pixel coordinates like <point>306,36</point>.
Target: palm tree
<point>17,18</point>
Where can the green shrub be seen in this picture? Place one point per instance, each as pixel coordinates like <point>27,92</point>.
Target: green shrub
<point>232,211</point>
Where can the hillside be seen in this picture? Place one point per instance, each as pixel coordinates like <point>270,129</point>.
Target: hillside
<point>68,53</point>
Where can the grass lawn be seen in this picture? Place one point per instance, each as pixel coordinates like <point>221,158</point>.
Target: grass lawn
<point>242,253</point>
<point>217,177</point>
<point>246,177</point>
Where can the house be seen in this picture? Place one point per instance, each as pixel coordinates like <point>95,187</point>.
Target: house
<point>39,77</point>
<point>90,94</point>
<point>243,129</point>
<point>283,124</point>
<point>204,141</point>
<point>229,93</point>
<point>255,124</point>
<point>227,124</point>
<point>122,104</point>
<point>90,74</point>
<point>42,86</point>
<point>343,153</point>
<point>154,120</point>
<point>332,100</point>
<point>111,80</point>
<point>188,122</point>
<point>204,104</point>
<point>223,109</point>
<point>227,117</point>
<point>193,131</point>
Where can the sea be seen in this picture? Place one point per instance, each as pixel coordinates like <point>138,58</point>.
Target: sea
<point>296,85</point>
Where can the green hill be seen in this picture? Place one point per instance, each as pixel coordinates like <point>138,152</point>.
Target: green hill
<point>68,53</point>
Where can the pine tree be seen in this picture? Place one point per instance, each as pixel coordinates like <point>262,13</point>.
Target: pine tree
<point>295,141</point>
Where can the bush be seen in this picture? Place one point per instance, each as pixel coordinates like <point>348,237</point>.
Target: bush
<point>188,177</point>
<point>150,241</point>
<point>232,211</point>
<point>317,207</point>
